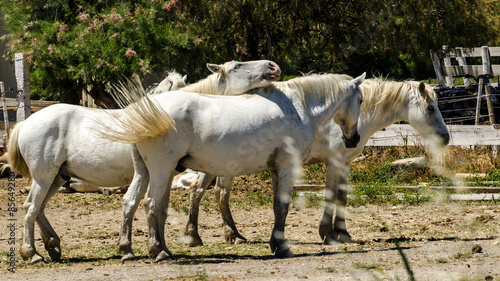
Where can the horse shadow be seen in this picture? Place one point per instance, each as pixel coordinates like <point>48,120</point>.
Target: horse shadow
<point>190,259</point>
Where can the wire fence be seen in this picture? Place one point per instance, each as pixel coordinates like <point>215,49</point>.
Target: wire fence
<point>458,106</point>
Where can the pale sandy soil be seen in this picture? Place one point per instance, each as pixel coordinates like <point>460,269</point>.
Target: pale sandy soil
<point>436,238</point>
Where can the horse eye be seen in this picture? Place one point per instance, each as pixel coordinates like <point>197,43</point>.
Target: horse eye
<point>237,66</point>
<point>431,108</point>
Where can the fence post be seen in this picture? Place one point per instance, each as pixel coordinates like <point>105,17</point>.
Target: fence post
<point>5,113</point>
<point>489,104</point>
<point>23,86</point>
<point>478,104</point>
<point>485,57</point>
<point>447,62</point>
<point>460,56</point>
<point>438,69</point>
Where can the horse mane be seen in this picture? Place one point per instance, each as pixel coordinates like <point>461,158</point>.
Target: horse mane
<point>383,98</point>
<point>207,86</point>
<point>314,86</point>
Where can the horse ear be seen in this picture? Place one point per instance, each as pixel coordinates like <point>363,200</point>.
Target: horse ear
<point>421,88</point>
<point>358,80</point>
<point>185,78</point>
<point>215,68</point>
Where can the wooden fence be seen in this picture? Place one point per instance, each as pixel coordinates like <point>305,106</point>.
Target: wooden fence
<point>445,74</point>
<point>463,135</point>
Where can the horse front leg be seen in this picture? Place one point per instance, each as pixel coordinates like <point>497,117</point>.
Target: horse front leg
<point>282,192</point>
<point>222,193</point>
<point>131,201</point>
<point>198,188</point>
<point>335,199</point>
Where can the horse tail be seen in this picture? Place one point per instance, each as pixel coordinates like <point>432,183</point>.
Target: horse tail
<point>144,118</point>
<point>16,159</point>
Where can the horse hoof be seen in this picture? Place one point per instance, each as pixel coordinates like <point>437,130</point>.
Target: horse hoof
<point>163,256</point>
<point>284,253</point>
<point>338,237</point>
<point>330,241</point>
<point>55,254</point>
<point>239,240</point>
<point>128,258</point>
<point>194,241</point>
<point>36,259</point>
<point>343,237</point>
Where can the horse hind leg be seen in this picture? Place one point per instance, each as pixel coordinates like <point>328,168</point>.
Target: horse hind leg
<point>50,238</point>
<point>131,200</point>
<point>33,208</point>
<point>198,188</point>
<point>222,193</point>
<point>282,191</point>
<point>156,204</point>
<point>336,199</point>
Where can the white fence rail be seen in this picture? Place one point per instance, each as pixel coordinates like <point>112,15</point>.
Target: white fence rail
<point>405,135</point>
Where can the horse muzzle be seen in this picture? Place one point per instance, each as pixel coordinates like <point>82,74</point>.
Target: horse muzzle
<point>351,142</point>
<point>445,139</point>
<point>274,72</point>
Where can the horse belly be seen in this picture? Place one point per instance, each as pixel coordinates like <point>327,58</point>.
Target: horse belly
<point>101,162</point>
<point>102,175</point>
<point>231,161</point>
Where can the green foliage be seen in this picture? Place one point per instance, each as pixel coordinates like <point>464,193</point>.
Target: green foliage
<point>75,45</point>
<point>72,44</point>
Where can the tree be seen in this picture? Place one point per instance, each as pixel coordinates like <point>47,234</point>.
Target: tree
<point>75,44</point>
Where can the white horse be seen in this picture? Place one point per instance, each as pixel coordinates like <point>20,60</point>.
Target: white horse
<point>3,145</point>
<point>229,136</point>
<point>384,102</point>
<point>59,142</point>
<point>173,81</point>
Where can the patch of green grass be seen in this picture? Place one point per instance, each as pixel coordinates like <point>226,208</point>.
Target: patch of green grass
<point>441,260</point>
<point>257,198</point>
<point>367,266</point>
<point>365,193</point>
<point>328,269</point>
<point>265,175</point>
<point>460,255</point>
<point>377,193</point>
<point>313,200</point>
<point>314,174</point>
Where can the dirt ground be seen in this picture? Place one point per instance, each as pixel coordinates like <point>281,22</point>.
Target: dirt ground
<point>441,240</point>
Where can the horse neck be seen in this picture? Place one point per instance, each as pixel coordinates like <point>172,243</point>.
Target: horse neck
<point>316,110</point>
<point>209,86</point>
<point>375,118</point>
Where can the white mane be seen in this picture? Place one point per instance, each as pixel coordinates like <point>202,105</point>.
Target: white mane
<point>208,86</point>
<point>322,86</point>
<point>383,98</point>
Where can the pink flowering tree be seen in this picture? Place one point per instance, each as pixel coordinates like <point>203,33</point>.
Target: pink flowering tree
<point>76,45</point>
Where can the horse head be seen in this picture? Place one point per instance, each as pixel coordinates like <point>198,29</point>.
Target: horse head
<point>176,80</point>
<point>347,116</point>
<point>240,77</point>
<point>424,115</point>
